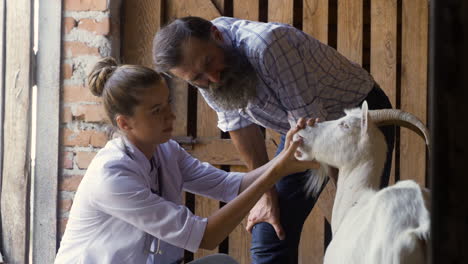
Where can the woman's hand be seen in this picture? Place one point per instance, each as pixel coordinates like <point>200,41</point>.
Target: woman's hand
<point>285,163</point>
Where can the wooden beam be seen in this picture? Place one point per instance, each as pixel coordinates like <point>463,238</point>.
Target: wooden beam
<point>16,161</point>
<point>47,151</point>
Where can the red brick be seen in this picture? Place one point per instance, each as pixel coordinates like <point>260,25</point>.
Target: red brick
<point>90,113</point>
<point>76,138</point>
<point>77,93</point>
<point>99,139</point>
<point>65,205</point>
<point>85,5</point>
<point>66,115</point>
<point>67,71</point>
<point>101,27</point>
<point>68,24</point>
<point>83,159</point>
<point>75,48</point>
<point>70,183</point>
<point>67,161</point>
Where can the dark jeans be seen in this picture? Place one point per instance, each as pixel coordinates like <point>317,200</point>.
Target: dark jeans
<point>295,205</point>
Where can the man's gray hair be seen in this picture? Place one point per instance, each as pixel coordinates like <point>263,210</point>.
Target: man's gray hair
<point>167,44</point>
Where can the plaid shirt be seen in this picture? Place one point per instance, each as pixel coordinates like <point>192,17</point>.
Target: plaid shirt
<point>298,76</point>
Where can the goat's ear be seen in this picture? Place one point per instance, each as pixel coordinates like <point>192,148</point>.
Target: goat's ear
<point>364,118</point>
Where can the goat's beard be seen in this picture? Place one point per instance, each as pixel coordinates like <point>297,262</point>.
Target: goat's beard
<point>238,83</point>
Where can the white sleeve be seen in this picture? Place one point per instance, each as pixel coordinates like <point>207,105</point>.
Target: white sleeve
<point>204,179</point>
<point>123,194</point>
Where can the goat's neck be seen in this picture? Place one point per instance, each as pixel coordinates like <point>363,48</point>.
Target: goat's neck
<point>354,184</point>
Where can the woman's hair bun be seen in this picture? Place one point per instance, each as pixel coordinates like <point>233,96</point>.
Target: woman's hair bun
<point>100,73</point>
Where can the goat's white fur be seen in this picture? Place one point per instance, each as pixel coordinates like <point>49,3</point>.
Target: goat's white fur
<point>368,225</point>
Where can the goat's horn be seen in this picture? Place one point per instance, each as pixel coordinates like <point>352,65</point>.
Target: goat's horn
<point>397,117</point>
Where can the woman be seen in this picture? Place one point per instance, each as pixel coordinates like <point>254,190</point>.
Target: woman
<point>128,207</point>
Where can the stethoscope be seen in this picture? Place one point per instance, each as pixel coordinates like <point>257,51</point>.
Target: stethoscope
<point>158,192</point>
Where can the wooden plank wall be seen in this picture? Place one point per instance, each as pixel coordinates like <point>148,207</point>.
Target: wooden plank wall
<point>16,128</point>
<point>387,37</point>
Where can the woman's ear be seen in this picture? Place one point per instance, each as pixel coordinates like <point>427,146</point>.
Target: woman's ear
<point>123,123</point>
<point>216,34</point>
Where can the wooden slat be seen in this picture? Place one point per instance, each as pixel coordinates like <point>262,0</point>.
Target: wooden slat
<point>179,94</point>
<point>207,120</point>
<point>311,247</point>
<point>414,86</point>
<point>142,19</point>
<point>47,151</point>
<point>281,11</point>
<point>16,161</point>
<point>220,5</point>
<point>247,9</point>
<point>205,207</point>
<point>216,151</point>
<point>384,51</point>
<point>206,127</point>
<point>315,19</point>
<point>384,46</point>
<point>240,239</point>
<point>326,200</point>
<point>350,26</point>
<point>202,8</point>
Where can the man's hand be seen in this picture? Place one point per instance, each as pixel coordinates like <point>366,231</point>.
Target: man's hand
<point>266,210</point>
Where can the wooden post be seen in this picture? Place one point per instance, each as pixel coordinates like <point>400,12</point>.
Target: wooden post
<point>2,100</point>
<point>16,161</point>
<point>448,125</point>
<point>47,151</point>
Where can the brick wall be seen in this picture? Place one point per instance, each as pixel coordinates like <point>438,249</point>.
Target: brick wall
<point>86,38</point>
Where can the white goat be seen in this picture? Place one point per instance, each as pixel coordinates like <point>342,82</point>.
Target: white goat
<point>369,225</point>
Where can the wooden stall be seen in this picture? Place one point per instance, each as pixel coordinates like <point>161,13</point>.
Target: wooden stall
<point>389,38</point>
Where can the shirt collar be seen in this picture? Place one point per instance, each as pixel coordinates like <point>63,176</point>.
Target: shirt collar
<point>135,154</point>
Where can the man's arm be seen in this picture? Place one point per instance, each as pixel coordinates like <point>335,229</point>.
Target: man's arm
<point>250,143</point>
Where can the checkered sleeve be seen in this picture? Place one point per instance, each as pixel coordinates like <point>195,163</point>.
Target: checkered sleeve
<point>227,120</point>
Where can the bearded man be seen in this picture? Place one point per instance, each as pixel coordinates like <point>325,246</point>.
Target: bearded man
<point>264,74</point>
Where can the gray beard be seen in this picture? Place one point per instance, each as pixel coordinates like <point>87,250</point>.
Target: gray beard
<point>238,84</point>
